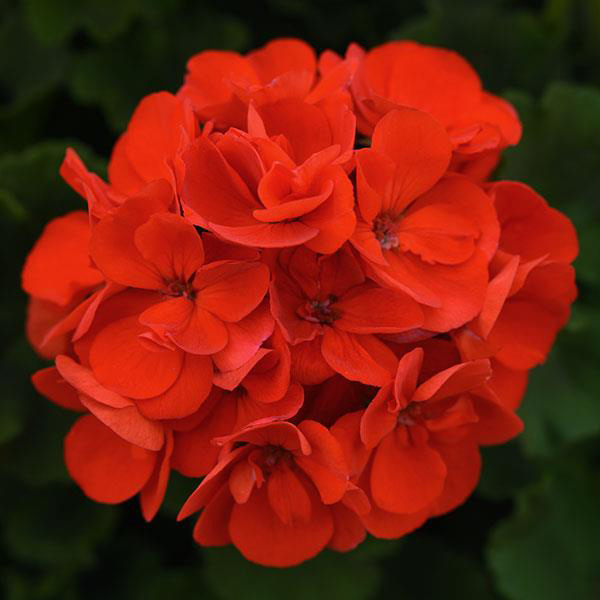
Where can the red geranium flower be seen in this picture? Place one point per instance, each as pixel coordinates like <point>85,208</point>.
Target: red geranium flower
<point>272,496</point>
<point>443,84</point>
<point>427,235</point>
<point>273,192</point>
<point>414,450</point>
<point>326,303</point>
<point>280,79</point>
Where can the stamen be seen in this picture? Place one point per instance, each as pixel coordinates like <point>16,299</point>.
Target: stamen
<point>319,311</point>
<point>177,288</point>
<point>385,230</point>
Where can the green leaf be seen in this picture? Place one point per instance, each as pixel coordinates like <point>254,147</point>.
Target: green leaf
<point>550,548</point>
<point>54,526</point>
<point>18,398</point>
<point>54,21</point>
<point>329,576</point>
<point>145,60</point>
<point>27,68</point>
<point>505,471</point>
<point>428,568</point>
<point>561,406</point>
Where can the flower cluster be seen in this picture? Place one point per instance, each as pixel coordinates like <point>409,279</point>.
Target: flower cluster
<point>299,285</point>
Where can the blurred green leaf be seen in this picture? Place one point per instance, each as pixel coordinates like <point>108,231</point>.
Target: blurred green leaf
<point>550,548</point>
<point>178,491</point>
<point>148,59</point>
<point>53,21</point>
<point>561,406</point>
<point>329,576</point>
<point>18,397</point>
<point>27,68</point>
<point>428,568</point>
<point>36,456</point>
<point>505,470</point>
<point>51,526</point>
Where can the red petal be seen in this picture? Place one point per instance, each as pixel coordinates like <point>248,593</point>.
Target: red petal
<point>308,365</point>
<point>120,362</point>
<point>453,381</point>
<point>261,537</point>
<point>153,493</point>
<point>335,219</point>
<point>112,245</point>
<point>206,83</point>
<point>186,395</point>
<point>418,474</point>
<point>496,424</point>
<point>187,324</point>
<point>195,454</point>
<point>211,484</point>
<point>53,386</point>
<point>325,465</point>
<point>441,81</point>
<point>267,235</point>
<point>420,149</point>
<point>531,228</point>
<point>59,265</point>
<point>231,290</point>
<point>348,531</point>
<point>106,467</point>
<point>304,126</point>
<point>463,463</point>
<point>99,195</point>
<point>245,338</point>
<point>127,423</point>
<point>171,245</point>
<point>358,357</point>
<point>378,419</point>
<point>147,150</point>
<point>367,309</point>
<point>287,496</point>
<point>211,529</point>
<point>391,526</point>
<point>213,189</point>
<point>281,56</point>
<point>83,380</point>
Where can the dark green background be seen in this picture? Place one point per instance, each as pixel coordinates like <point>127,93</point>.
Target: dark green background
<point>71,72</point>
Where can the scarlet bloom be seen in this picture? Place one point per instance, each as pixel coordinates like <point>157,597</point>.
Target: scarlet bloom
<point>259,390</point>
<point>531,291</point>
<point>327,304</point>
<point>414,449</point>
<point>141,247</point>
<point>109,469</point>
<point>427,235</point>
<point>273,192</point>
<point>443,84</point>
<point>326,334</point>
<point>58,274</point>
<point>160,129</point>
<point>280,79</point>
<point>279,485</point>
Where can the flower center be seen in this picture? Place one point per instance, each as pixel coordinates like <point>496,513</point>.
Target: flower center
<point>273,454</point>
<point>319,311</point>
<point>385,230</point>
<point>177,288</point>
<point>411,414</point>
